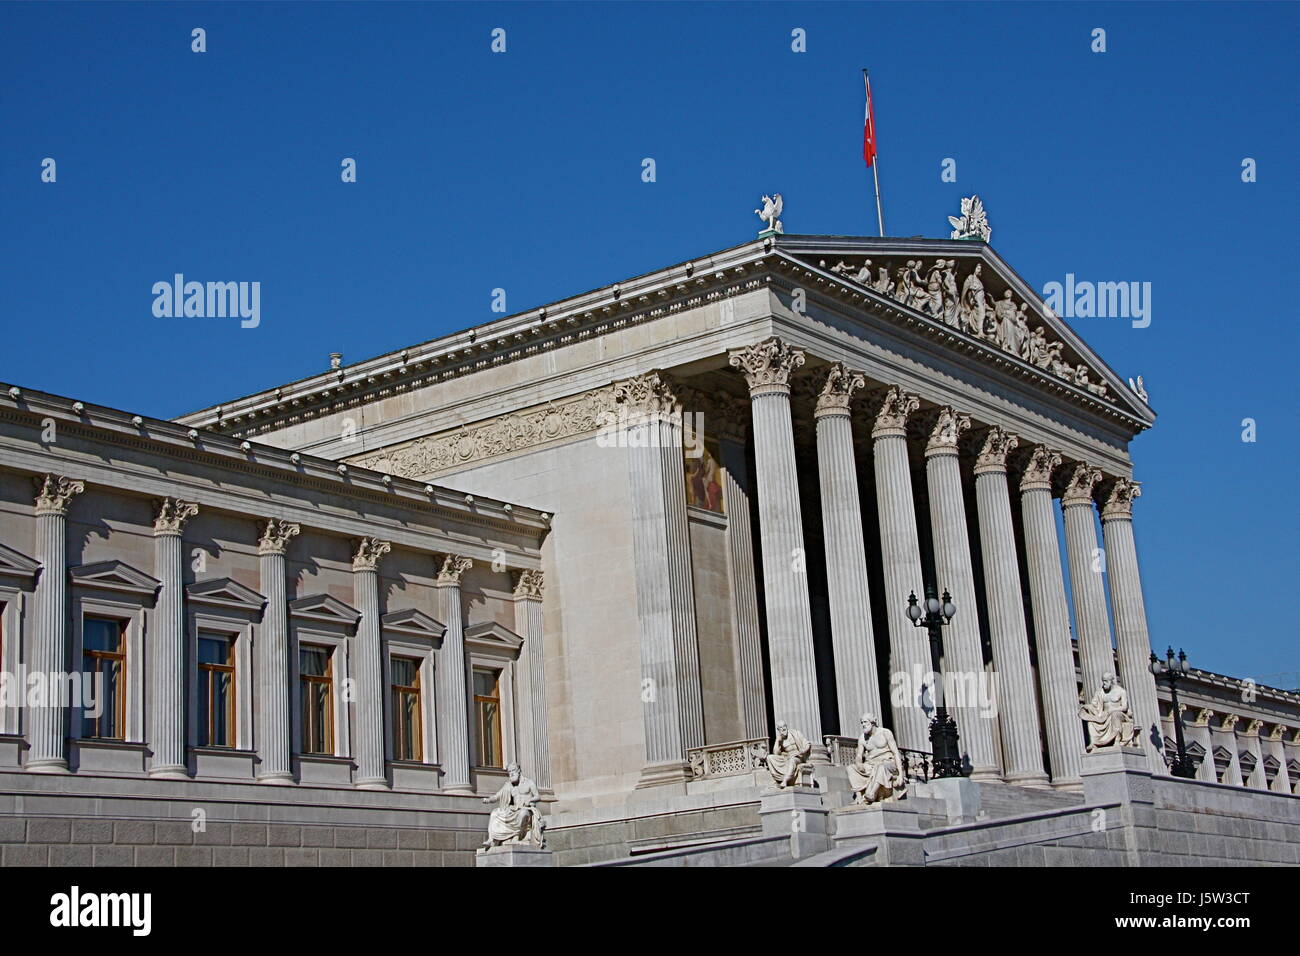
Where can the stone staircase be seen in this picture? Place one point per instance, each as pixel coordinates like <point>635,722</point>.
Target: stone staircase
<point>999,800</point>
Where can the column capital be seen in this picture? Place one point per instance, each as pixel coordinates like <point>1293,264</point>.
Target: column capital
<point>53,492</point>
<point>838,383</point>
<point>172,515</point>
<point>276,535</point>
<point>768,365</point>
<point>891,416</point>
<point>528,585</point>
<point>997,445</point>
<point>1119,499</point>
<point>369,551</point>
<point>651,394</point>
<point>1083,481</point>
<point>1277,732</point>
<point>1038,469</point>
<point>1202,717</point>
<point>453,566</point>
<point>948,426</point>
<point>1229,722</point>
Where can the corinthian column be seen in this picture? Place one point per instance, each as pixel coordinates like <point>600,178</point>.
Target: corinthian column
<point>1017,710</point>
<point>1131,638</point>
<point>274,747</point>
<point>672,700</point>
<point>767,367</point>
<point>166,657</point>
<point>1060,692</point>
<point>856,680</point>
<point>900,551</point>
<point>48,721</point>
<point>536,751</point>
<point>963,655</point>
<point>1096,656</point>
<point>453,680</point>
<point>368,665</point>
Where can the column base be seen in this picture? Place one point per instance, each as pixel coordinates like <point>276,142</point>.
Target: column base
<point>988,774</point>
<point>169,772</point>
<point>47,765</point>
<point>280,778</point>
<point>1069,783</point>
<point>1028,779</point>
<point>372,783</point>
<point>460,790</point>
<point>664,774</point>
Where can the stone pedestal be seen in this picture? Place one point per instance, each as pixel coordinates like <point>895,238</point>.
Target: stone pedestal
<point>797,811</point>
<point>960,797</point>
<point>1113,774</point>
<point>894,827</point>
<point>514,854</point>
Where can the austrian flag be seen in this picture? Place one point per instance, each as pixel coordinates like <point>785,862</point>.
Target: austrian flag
<point>868,126</point>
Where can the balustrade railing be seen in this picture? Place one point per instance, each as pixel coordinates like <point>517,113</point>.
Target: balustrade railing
<point>726,760</point>
<point>918,765</point>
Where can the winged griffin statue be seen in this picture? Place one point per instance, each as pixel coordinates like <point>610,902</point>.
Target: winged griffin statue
<point>973,223</point>
<point>772,206</point>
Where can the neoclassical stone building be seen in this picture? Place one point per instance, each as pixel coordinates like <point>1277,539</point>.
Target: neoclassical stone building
<point>729,474</point>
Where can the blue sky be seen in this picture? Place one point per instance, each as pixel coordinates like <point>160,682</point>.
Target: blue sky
<point>522,171</point>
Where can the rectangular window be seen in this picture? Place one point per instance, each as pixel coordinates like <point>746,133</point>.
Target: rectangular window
<point>408,739</point>
<point>487,712</point>
<point>216,691</point>
<point>316,685</point>
<point>103,657</point>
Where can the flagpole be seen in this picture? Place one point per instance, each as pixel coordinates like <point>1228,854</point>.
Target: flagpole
<point>875,157</point>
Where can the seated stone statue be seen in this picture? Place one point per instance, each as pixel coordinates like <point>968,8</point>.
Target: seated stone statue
<point>1109,717</point>
<point>877,769</point>
<point>517,818</point>
<point>790,752</point>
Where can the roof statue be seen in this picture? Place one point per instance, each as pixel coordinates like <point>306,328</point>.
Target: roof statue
<point>772,206</point>
<point>973,223</point>
<point>1138,388</point>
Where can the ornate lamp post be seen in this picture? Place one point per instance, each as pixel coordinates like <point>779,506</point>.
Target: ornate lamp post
<point>1170,671</point>
<point>943,729</point>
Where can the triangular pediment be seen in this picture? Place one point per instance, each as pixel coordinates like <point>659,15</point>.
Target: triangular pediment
<point>1057,360</point>
<point>1272,765</point>
<point>489,635</point>
<point>1293,767</point>
<point>413,623</point>
<point>15,564</point>
<point>225,592</point>
<point>114,575</point>
<point>324,607</point>
<point>1193,748</point>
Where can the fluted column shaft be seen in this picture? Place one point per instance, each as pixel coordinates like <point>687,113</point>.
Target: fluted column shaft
<point>368,666</point>
<point>1060,691</point>
<point>671,694</point>
<point>963,664</point>
<point>857,683</point>
<point>536,751</point>
<point>1016,705</point>
<point>166,657</point>
<point>1131,638</point>
<point>752,689</point>
<point>767,367</point>
<point>48,722</point>
<point>900,550</point>
<point>453,680</point>
<point>274,723</point>
<point>1092,626</point>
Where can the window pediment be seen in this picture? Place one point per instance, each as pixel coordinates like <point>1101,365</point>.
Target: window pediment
<point>324,607</point>
<point>15,564</point>
<point>225,592</point>
<point>414,623</point>
<point>114,575</point>
<point>493,638</point>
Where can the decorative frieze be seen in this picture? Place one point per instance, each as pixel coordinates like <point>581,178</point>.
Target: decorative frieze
<point>53,492</point>
<point>1082,482</point>
<point>368,553</point>
<point>838,383</point>
<point>1119,499</point>
<point>276,535</point>
<point>768,365</point>
<point>895,405</point>
<point>516,431</point>
<point>997,445</point>
<point>947,429</point>
<point>172,515</point>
